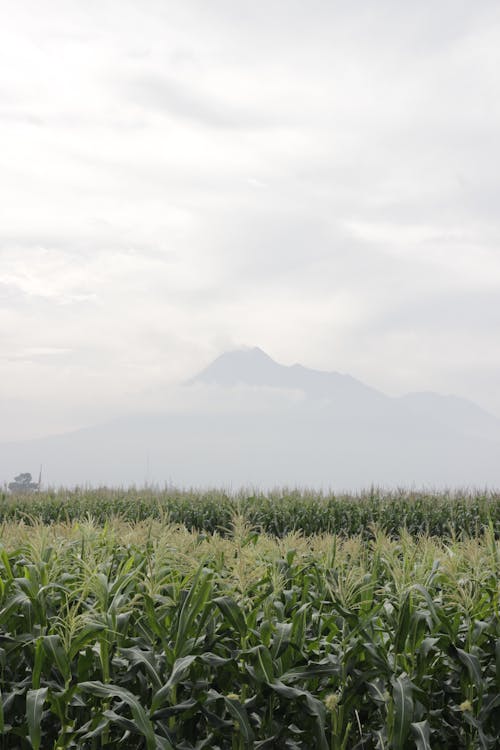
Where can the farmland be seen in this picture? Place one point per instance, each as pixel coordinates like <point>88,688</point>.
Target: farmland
<point>277,512</point>
<point>315,622</point>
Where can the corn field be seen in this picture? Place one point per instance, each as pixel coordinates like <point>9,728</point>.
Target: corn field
<point>278,513</point>
<point>147,634</point>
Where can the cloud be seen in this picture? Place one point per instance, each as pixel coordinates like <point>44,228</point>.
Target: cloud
<point>178,179</point>
<point>175,98</point>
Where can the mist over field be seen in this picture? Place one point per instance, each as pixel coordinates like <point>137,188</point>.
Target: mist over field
<point>247,421</point>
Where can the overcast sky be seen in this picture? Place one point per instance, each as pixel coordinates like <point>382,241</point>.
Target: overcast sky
<point>320,179</point>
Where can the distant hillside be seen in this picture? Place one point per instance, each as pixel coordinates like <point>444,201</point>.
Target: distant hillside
<point>340,434</point>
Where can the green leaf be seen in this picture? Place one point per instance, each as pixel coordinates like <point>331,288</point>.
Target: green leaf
<point>143,724</point>
<point>181,666</point>
<point>403,625</point>
<point>310,671</point>
<point>438,619</point>
<point>403,710</point>
<point>473,666</point>
<point>37,664</point>
<point>281,638</point>
<point>311,705</point>
<point>264,671</point>
<point>214,661</point>
<point>378,692</point>
<point>54,649</point>
<point>14,603</point>
<point>299,626</point>
<point>193,604</point>
<point>490,703</point>
<point>146,658</point>
<point>84,638</point>
<point>232,612</point>
<point>6,564</point>
<point>422,734</point>
<point>34,710</point>
<point>240,715</point>
<point>427,645</point>
<point>187,705</point>
<point>96,731</point>
<point>121,721</point>
<point>378,657</point>
<point>2,720</point>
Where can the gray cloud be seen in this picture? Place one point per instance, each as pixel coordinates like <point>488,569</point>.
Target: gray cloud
<point>321,182</point>
<point>171,97</point>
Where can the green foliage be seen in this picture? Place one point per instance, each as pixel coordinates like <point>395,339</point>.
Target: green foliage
<point>279,512</point>
<point>150,636</point>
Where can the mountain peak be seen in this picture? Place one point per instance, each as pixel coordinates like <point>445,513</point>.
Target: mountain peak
<point>252,352</point>
<point>255,368</point>
<point>250,366</point>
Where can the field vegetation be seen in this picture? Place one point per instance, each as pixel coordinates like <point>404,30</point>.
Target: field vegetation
<point>279,512</point>
<point>149,634</point>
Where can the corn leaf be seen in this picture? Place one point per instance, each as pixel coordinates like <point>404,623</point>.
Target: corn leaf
<point>403,710</point>
<point>34,711</point>
<point>142,722</point>
<point>421,733</point>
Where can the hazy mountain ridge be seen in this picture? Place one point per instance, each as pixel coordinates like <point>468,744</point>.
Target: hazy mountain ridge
<point>253,367</point>
<point>342,434</point>
<point>256,368</point>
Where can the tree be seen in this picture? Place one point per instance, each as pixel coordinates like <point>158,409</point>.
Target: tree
<point>23,483</point>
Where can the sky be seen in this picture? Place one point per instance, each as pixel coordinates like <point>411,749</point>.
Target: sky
<point>179,179</point>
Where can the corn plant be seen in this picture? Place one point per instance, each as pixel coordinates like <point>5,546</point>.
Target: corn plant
<point>147,635</point>
<point>279,513</point>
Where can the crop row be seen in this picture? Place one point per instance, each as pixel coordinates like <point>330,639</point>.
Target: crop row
<point>148,635</point>
<point>277,513</point>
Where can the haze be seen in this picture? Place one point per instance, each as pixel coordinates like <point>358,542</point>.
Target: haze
<point>178,180</point>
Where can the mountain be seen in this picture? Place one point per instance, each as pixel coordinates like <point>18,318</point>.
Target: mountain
<point>248,420</point>
<point>253,367</point>
<point>339,392</point>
